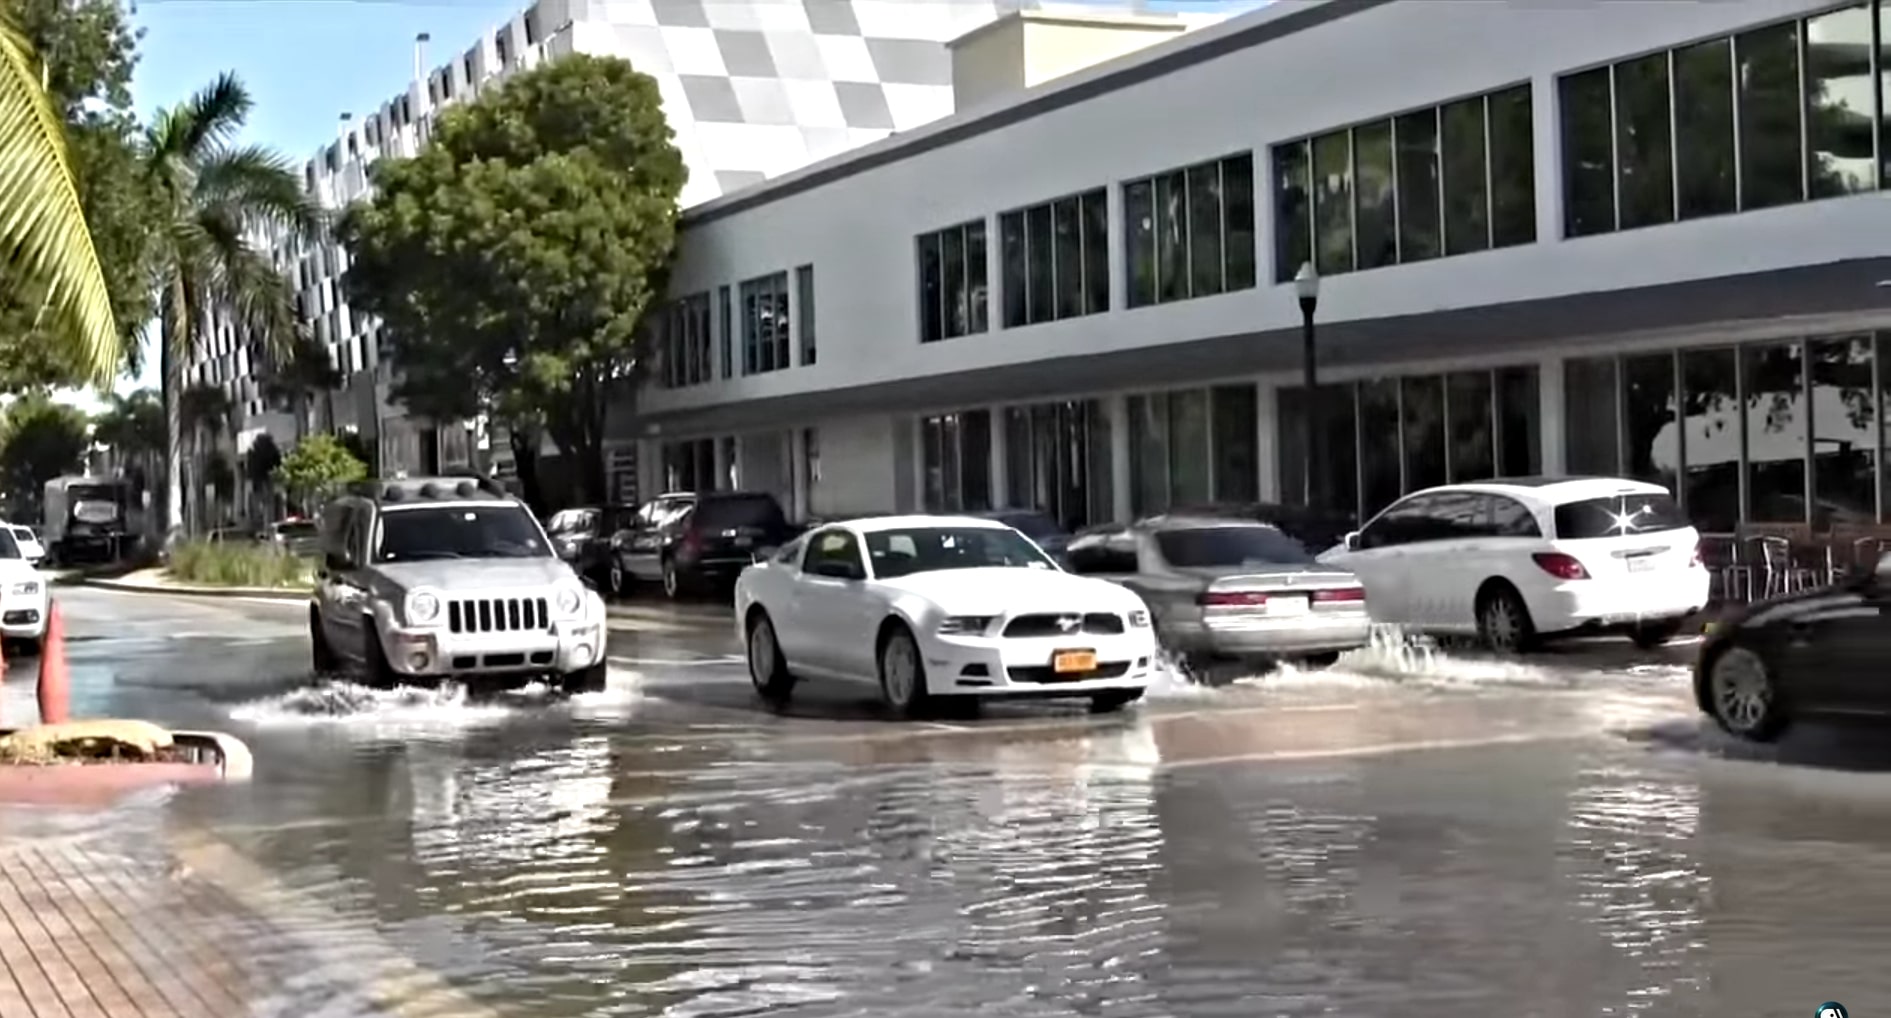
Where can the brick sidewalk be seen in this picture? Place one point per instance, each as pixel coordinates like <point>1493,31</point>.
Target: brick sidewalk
<point>88,933</point>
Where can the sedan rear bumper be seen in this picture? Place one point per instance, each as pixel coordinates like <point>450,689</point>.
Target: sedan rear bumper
<point>1272,637</point>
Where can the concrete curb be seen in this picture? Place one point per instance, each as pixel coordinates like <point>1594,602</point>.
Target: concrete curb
<point>180,590</point>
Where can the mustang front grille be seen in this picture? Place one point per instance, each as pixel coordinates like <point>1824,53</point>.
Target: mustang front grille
<point>496,614</point>
<point>1067,624</point>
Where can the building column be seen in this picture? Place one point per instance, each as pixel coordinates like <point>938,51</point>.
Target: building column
<point>1546,125</point>
<point>1000,461</point>
<point>1552,415</point>
<point>720,456</point>
<point>1267,440</point>
<point>798,475</point>
<point>1116,408</point>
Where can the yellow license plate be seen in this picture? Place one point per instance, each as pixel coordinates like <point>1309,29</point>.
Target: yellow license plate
<point>1066,661</point>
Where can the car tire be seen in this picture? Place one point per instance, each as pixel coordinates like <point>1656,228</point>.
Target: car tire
<point>673,586</point>
<point>1743,697</point>
<point>768,666</point>
<point>619,581</point>
<point>1114,700</point>
<point>1503,621</point>
<point>1650,635</point>
<point>376,673</point>
<point>592,679</point>
<point>903,673</point>
<point>29,646</point>
<point>1326,659</point>
<point>321,655</point>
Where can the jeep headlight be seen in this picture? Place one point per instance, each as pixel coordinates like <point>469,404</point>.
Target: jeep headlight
<point>569,600</point>
<point>29,587</point>
<point>422,607</point>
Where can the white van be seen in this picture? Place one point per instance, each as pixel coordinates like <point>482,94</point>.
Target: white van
<point>1517,559</point>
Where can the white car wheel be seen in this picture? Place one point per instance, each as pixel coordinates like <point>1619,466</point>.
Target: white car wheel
<point>902,674</point>
<point>768,668</point>
<point>1742,696</point>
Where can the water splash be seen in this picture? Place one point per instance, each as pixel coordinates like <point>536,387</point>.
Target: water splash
<point>337,701</point>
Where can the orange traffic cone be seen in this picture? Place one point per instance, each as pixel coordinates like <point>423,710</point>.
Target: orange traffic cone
<point>55,686</point>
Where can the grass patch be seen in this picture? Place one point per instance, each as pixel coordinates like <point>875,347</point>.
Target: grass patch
<point>237,565</point>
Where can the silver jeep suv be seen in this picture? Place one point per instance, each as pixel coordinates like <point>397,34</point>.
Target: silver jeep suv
<point>428,578</point>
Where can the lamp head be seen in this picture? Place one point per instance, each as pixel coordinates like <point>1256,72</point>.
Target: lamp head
<point>1306,283</point>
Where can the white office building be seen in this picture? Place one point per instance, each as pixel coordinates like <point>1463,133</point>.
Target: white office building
<point>1632,238</point>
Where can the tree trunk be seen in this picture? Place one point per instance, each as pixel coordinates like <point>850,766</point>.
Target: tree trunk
<point>174,327</point>
<point>525,461</point>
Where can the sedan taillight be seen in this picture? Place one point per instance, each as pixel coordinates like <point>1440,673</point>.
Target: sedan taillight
<point>1341,594</point>
<point>1231,599</point>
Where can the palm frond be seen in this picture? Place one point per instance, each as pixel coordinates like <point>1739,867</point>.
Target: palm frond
<point>44,241</point>
<point>207,120</point>
<point>262,186</point>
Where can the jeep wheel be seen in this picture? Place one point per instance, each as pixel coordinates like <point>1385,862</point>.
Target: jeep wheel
<point>376,673</point>
<point>586,680</point>
<point>321,655</point>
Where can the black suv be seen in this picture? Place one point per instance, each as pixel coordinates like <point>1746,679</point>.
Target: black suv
<point>701,540</point>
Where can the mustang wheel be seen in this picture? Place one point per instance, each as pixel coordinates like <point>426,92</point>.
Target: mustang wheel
<point>768,668</point>
<point>321,655</point>
<point>1503,622</point>
<point>902,673</point>
<point>1743,697</point>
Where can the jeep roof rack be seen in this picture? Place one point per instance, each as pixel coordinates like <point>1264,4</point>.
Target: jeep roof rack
<point>429,489</point>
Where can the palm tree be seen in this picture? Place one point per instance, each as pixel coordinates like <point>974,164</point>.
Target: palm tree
<point>204,412</point>
<point>46,251</point>
<point>298,374</point>
<point>213,196</point>
<point>132,426</point>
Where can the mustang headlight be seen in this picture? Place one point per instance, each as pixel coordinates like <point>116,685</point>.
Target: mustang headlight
<point>966,625</point>
<point>422,607</point>
<point>569,600</point>
<point>29,587</point>
<point>1139,619</point>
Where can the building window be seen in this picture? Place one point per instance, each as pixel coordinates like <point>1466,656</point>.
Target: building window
<point>1190,232</point>
<point>1056,259</point>
<point>765,324</point>
<point>1776,115</point>
<point>804,310</point>
<point>957,461</point>
<point>1192,446</point>
<point>727,322</point>
<point>952,282</point>
<point>1446,180</point>
<point>686,342</point>
<point>1057,462</point>
<point>1451,428</point>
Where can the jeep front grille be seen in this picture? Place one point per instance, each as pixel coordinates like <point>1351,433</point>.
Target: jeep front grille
<point>496,614</point>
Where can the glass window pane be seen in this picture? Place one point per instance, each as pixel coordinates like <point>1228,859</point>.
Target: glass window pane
<point>1644,144</point>
<point>975,460</point>
<point>1018,459</point>
<point>1011,251</point>
<point>1379,471</point>
<point>1651,431</point>
<point>1172,236</point>
<point>1188,447</point>
<point>931,433</point>
<point>1139,230</point>
<point>1772,166</point>
<point>978,276</point>
<point>1372,195</point>
<point>1039,239</point>
<point>1839,102</point>
<point>952,261</point>
<point>784,353</point>
<point>1204,229</point>
<point>1100,504</point>
<point>1336,480</point>
<point>1333,203</point>
<point>1519,420</point>
<point>1419,230</point>
<point>1588,154</point>
<point>1467,191</point>
<point>1290,432</point>
<point>1237,195</point>
<point>1045,444</point>
<point>931,293</point>
<point>1776,433</point>
<point>1096,253</point>
<point>1703,87</point>
<point>1148,453</point>
<point>1067,258</point>
<point>1512,167</point>
<point>1422,422</point>
<point>1844,433</point>
<point>1473,436</point>
<point>1293,211</point>
<point>1236,423</point>
<point>1589,438</point>
<point>726,315</point>
<point>1712,439</point>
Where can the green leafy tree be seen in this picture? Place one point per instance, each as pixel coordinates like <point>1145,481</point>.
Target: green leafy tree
<point>208,193</point>
<point>511,262</point>
<point>40,439</point>
<point>295,375</point>
<point>318,464</point>
<point>260,463</point>
<point>132,427</point>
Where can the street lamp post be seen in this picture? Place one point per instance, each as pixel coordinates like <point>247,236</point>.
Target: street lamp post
<point>1306,286</point>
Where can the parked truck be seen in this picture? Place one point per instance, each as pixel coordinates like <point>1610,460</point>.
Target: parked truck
<point>87,519</point>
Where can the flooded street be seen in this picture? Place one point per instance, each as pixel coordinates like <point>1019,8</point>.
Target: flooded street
<point>1406,836</point>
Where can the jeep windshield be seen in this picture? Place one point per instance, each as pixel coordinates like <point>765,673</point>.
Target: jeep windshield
<point>426,533</point>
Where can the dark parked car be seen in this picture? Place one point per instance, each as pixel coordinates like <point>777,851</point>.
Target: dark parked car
<point>1813,653</point>
<point>1049,534</point>
<point>582,537</point>
<point>1317,529</point>
<point>687,542</point>
<point>1221,589</point>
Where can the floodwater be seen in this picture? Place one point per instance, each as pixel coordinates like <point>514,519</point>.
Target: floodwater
<point>641,854</point>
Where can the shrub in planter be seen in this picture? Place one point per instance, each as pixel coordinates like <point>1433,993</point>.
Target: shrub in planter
<point>229,564</point>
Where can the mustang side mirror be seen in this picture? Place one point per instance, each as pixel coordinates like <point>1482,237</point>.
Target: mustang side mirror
<point>1352,541</point>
